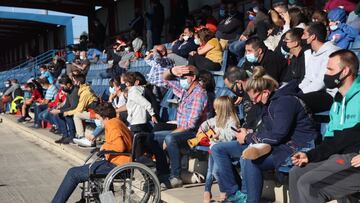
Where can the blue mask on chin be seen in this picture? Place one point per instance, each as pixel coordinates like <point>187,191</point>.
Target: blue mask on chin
<point>251,58</point>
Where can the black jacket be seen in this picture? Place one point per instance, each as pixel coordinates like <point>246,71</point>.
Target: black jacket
<point>274,64</point>
<point>72,100</point>
<point>230,28</point>
<point>296,68</point>
<point>344,142</point>
<point>183,48</point>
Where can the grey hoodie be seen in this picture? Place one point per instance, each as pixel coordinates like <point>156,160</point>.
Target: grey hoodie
<point>315,68</point>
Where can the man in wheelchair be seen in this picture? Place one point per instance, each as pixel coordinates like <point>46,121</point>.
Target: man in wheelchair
<point>118,138</point>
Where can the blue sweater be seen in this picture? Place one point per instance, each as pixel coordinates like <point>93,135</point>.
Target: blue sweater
<point>286,125</point>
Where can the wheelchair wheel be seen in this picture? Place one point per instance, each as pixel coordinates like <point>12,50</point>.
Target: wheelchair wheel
<point>133,183</point>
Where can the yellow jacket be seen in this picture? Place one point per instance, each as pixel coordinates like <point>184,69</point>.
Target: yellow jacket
<point>86,97</point>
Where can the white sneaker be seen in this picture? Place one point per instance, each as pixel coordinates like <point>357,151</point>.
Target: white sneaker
<point>83,142</point>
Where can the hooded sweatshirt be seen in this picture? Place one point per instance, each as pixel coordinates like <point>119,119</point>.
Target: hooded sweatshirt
<point>86,97</point>
<point>315,68</point>
<point>286,125</point>
<point>137,106</point>
<point>344,127</point>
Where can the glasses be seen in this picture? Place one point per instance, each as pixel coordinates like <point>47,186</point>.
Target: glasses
<point>232,86</point>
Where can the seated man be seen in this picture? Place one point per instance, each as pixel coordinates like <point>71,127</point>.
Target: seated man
<point>36,97</point>
<point>117,138</point>
<point>183,46</point>
<point>257,54</point>
<point>45,74</point>
<point>332,169</point>
<point>65,124</point>
<point>87,103</point>
<point>190,113</point>
<point>51,91</point>
<point>82,65</point>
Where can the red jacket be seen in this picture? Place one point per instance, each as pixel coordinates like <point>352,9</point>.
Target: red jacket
<point>59,98</point>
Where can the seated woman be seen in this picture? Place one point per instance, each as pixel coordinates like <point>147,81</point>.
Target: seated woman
<point>117,138</point>
<point>209,55</point>
<point>285,125</point>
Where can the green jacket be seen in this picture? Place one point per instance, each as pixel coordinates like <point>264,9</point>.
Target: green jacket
<point>345,114</point>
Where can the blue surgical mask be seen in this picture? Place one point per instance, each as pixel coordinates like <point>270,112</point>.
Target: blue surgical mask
<point>251,58</point>
<point>334,27</point>
<point>112,90</point>
<point>184,83</point>
<point>251,17</point>
<point>222,13</point>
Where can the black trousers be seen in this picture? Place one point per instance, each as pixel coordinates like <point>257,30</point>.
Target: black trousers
<point>318,101</point>
<point>203,63</point>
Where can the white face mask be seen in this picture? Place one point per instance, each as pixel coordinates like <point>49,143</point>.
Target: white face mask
<point>82,57</point>
<point>7,85</point>
<point>186,37</point>
<point>197,41</point>
<point>127,49</point>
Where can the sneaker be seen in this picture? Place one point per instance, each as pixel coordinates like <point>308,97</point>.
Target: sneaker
<point>172,183</point>
<point>59,141</point>
<point>28,118</point>
<point>67,140</point>
<point>254,151</point>
<point>53,129</point>
<point>238,197</point>
<point>147,161</point>
<point>35,126</point>
<point>21,119</point>
<point>84,142</point>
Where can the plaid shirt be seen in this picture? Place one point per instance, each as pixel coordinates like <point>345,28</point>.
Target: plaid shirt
<point>192,105</point>
<point>158,67</point>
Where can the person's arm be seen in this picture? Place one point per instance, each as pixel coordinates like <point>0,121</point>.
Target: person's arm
<point>284,112</point>
<point>143,102</point>
<point>115,143</point>
<point>10,90</point>
<point>79,108</point>
<point>121,109</point>
<point>70,106</point>
<point>341,139</point>
<point>205,49</point>
<point>198,106</point>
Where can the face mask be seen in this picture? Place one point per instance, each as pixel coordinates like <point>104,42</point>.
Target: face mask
<point>251,17</point>
<point>334,27</point>
<point>238,92</point>
<point>67,90</point>
<point>186,37</point>
<point>251,58</point>
<point>333,81</point>
<point>112,90</point>
<point>127,49</point>
<point>42,72</point>
<point>285,50</point>
<point>222,13</point>
<point>7,85</point>
<point>184,83</point>
<point>197,41</point>
<point>82,57</point>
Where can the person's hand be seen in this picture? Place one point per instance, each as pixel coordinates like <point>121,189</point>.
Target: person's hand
<point>300,159</point>
<point>181,37</point>
<point>65,113</point>
<point>243,38</point>
<point>355,161</point>
<point>55,111</point>
<point>192,53</point>
<point>154,119</point>
<point>238,100</point>
<point>286,17</point>
<point>240,136</point>
<point>180,70</point>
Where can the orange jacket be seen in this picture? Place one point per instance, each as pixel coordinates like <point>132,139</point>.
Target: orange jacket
<point>117,138</point>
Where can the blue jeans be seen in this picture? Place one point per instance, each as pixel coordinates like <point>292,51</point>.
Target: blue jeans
<point>237,48</point>
<point>211,173</point>
<point>46,116</point>
<point>223,154</point>
<point>37,110</point>
<point>174,142</point>
<point>65,124</point>
<point>254,177</point>
<point>79,174</point>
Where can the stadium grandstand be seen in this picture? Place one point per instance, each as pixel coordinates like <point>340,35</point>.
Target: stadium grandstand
<point>251,94</point>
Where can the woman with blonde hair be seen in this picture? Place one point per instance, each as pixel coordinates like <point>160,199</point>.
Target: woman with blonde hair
<point>225,119</point>
<point>285,125</point>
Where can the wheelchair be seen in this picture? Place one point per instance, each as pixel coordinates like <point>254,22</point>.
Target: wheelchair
<point>129,183</point>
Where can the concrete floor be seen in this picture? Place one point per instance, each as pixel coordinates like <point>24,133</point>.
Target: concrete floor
<point>28,172</point>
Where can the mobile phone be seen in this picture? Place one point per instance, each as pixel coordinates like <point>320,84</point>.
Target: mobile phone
<point>236,130</point>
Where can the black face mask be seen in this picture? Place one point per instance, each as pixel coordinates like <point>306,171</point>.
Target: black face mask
<point>238,92</point>
<point>67,90</point>
<point>333,81</point>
